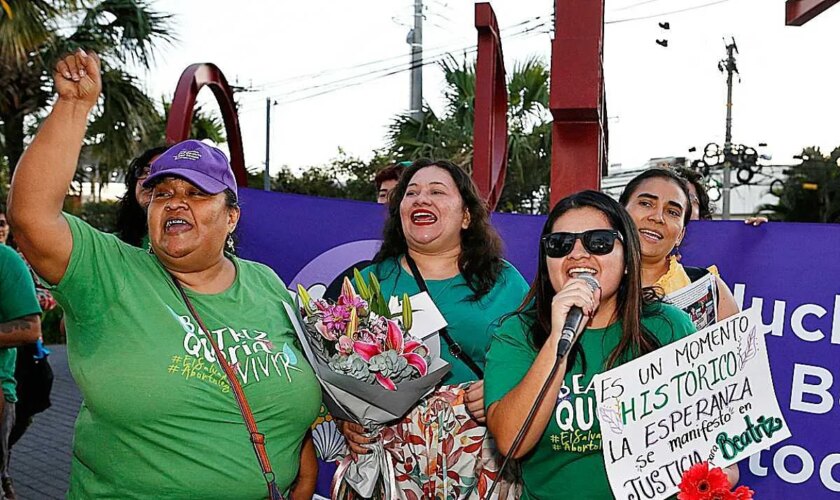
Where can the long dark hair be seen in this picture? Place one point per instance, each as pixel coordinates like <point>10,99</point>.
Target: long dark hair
<point>658,173</point>
<point>632,300</point>
<point>131,217</point>
<point>480,261</point>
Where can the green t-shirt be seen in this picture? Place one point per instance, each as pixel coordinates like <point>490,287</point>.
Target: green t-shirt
<point>159,419</point>
<point>567,461</point>
<point>470,323</point>
<point>17,299</point>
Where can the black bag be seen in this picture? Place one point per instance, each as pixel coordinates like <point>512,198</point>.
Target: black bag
<point>34,381</point>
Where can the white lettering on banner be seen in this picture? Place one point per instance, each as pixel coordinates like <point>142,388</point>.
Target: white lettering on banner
<point>799,388</point>
<point>798,326</point>
<point>826,469</point>
<point>782,466</point>
<point>797,317</point>
<point>789,476</point>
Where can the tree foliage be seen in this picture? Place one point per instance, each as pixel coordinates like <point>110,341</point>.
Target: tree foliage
<point>122,32</point>
<point>811,191</point>
<point>344,177</point>
<point>451,135</point>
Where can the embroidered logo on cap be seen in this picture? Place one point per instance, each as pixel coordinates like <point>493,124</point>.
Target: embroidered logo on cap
<point>188,154</point>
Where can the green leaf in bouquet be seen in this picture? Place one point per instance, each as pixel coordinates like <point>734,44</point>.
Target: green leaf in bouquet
<point>407,315</point>
<point>305,299</point>
<point>364,290</point>
<point>377,301</point>
<point>375,288</point>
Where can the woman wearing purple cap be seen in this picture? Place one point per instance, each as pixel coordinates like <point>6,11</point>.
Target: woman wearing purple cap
<point>181,351</point>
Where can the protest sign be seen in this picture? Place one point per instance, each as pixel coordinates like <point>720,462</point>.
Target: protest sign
<point>708,397</point>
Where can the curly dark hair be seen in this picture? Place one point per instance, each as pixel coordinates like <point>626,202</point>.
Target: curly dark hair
<point>480,261</point>
<point>633,301</point>
<point>131,217</point>
<point>695,179</point>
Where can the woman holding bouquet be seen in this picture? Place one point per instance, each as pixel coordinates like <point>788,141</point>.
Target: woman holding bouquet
<point>164,344</point>
<point>659,203</point>
<point>438,237</point>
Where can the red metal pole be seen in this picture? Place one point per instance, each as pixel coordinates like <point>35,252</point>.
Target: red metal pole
<point>577,100</point>
<point>490,139</point>
<point>178,124</point>
<point>799,12</point>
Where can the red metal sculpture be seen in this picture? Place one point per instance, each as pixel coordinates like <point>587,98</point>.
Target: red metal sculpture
<point>579,132</point>
<point>799,12</point>
<point>490,138</point>
<point>192,80</point>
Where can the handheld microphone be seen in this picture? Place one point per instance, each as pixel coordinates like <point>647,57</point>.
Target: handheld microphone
<point>574,320</point>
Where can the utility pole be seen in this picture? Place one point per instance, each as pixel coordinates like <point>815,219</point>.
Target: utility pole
<point>266,173</point>
<point>730,68</point>
<point>415,40</point>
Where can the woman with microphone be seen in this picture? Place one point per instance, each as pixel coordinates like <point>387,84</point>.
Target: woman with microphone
<point>589,260</point>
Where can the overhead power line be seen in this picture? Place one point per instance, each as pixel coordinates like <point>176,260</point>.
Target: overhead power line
<point>651,16</point>
<point>360,78</point>
<point>441,48</point>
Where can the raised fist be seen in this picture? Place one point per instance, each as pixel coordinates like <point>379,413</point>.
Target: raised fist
<point>78,79</point>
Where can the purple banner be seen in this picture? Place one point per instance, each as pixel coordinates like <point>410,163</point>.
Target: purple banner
<point>789,271</point>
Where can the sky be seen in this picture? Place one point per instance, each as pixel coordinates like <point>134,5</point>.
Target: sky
<point>661,101</point>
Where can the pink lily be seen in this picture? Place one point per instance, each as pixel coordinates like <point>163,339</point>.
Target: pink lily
<point>396,342</point>
<point>350,298</point>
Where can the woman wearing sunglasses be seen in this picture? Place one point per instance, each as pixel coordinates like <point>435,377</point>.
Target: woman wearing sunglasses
<point>659,202</point>
<point>587,233</point>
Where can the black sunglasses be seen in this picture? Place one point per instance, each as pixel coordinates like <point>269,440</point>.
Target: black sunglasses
<point>596,242</point>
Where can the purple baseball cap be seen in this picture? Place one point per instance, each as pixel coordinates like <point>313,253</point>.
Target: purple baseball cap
<point>204,166</point>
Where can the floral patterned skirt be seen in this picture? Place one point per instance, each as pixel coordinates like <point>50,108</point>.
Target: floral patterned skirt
<point>437,451</point>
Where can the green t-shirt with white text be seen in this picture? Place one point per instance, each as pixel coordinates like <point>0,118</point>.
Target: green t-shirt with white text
<point>567,462</point>
<point>159,419</point>
<point>17,300</point>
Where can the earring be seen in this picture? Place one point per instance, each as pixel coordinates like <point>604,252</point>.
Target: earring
<point>229,244</point>
<point>676,252</point>
<point>149,248</point>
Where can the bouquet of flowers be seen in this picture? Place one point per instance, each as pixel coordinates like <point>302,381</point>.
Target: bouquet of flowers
<point>701,483</point>
<point>371,361</point>
<point>359,336</point>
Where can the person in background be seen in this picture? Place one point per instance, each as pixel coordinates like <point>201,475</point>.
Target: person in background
<point>160,416</point>
<point>701,205</point>
<point>386,179</point>
<point>587,232</point>
<point>20,324</point>
<point>438,235</point>
<point>131,212</point>
<point>659,203</point>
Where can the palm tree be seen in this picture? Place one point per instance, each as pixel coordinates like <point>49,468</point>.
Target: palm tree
<point>450,137</point>
<point>37,32</point>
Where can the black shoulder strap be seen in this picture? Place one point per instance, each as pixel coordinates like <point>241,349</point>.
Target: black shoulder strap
<point>695,273</point>
<point>454,347</point>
